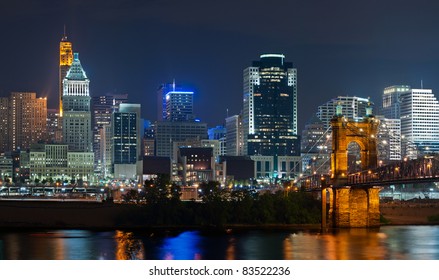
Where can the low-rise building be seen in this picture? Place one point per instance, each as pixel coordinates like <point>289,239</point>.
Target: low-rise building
<point>56,162</point>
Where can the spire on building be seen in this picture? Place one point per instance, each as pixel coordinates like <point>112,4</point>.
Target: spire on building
<point>64,37</point>
<point>76,72</point>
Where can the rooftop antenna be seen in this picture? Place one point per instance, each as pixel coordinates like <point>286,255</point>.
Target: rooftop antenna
<point>422,84</point>
<point>173,85</point>
<point>64,38</point>
<point>227,112</point>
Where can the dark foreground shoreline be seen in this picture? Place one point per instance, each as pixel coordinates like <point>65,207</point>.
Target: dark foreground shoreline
<point>50,215</point>
<point>22,215</point>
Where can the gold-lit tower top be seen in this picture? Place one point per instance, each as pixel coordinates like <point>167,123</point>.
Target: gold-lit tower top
<point>65,52</point>
<point>65,61</point>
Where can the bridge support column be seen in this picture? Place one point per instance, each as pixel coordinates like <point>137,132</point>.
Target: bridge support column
<point>374,206</point>
<point>355,207</point>
<point>324,214</point>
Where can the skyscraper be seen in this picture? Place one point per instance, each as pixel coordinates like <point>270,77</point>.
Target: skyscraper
<point>419,122</point>
<point>77,125</point>
<point>270,107</point>
<point>178,123</point>
<point>269,117</point>
<point>179,106</point>
<point>127,152</point>
<point>234,136</point>
<point>4,124</point>
<point>353,107</point>
<point>174,103</point>
<point>65,61</point>
<point>162,90</point>
<point>54,134</point>
<point>389,140</point>
<point>27,120</point>
<point>22,120</point>
<point>392,101</point>
<point>126,134</point>
<point>102,109</point>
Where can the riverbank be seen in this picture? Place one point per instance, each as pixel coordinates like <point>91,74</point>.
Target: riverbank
<point>102,216</point>
<point>413,212</point>
<point>51,214</point>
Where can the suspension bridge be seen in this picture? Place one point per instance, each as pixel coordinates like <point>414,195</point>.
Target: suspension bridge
<point>354,195</point>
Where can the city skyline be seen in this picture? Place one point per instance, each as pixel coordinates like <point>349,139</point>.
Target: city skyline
<point>340,48</point>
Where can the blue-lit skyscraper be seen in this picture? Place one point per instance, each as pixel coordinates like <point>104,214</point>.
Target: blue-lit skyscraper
<point>175,103</point>
<point>177,122</point>
<point>179,106</point>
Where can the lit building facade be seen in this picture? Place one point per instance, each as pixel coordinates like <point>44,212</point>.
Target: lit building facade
<point>391,102</point>
<point>313,137</point>
<point>179,106</point>
<point>106,152</point>
<point>27,120</point>
<point>270,113</point>
<point>389,140</point>
<point>234,136</point>
<point>218,133</point>
<point>168,132</point>
<point>6,168</point>
<point>315,146</point>
<point>148,138</point>
<point>53,123</point>
<point>197,165</point>
<point>419,122</point>
<point>215,145</point>
<point>270,107</point>
<point>55,161</point>
<point>177,122</point>
<point>77,125</point>
<point>353,108</point>
<point>65,61</point>
<point>162,90</point>
<point>102,109</point>
<point>174,103</point>
<point>127,153</point>
<point>4,124</point>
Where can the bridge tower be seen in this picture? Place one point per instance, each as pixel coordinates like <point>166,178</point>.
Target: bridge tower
<point>351,206</point>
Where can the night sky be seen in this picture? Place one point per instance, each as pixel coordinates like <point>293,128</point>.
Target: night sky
<point>344,47</point>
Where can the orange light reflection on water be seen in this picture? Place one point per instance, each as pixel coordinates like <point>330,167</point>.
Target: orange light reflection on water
<point>346,244</point>
<point>128,247</point>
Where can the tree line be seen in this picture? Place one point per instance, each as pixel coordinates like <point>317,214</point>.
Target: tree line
<point>220,206</point>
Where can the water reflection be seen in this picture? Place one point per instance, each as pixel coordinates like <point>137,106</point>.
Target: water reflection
<point>349,244</point>
<point>128,247</point>
<point>231,251</point>
<point>399,243</point>
<point>185,246</point>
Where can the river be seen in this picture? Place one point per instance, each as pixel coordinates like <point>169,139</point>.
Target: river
<point>385,243</point>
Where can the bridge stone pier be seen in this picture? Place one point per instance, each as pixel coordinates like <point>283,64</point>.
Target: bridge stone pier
<point>351,206</point>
